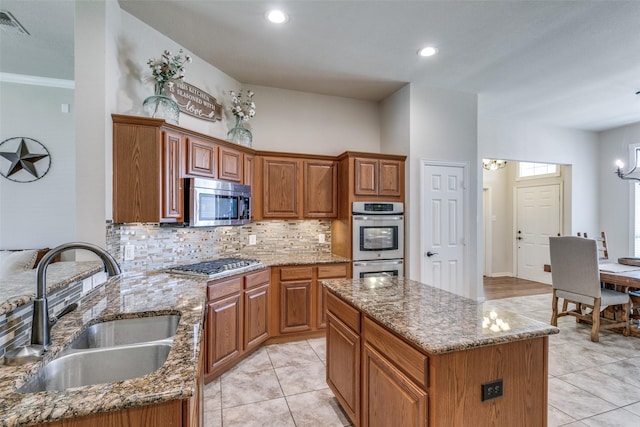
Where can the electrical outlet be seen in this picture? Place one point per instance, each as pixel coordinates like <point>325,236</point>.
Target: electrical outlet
<point>252,239</point>
<point>492,390</point>
<point>320,238</point>
<point>129,252</point>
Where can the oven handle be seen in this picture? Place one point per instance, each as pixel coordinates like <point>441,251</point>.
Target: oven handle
<point>366,263</point>
<point>377,217</point>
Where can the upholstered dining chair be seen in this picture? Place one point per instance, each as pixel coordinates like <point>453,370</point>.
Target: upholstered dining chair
<point>576,279</point>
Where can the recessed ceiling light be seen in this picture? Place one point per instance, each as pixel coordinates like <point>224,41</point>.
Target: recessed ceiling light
<point>428,51</point>
<point>277,16</point>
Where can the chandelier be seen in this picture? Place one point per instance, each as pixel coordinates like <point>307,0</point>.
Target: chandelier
<point>628,175</point>
<point>493,165</point>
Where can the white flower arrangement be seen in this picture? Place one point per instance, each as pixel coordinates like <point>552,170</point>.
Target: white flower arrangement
<point>242,108</point>
<point>168,68</point>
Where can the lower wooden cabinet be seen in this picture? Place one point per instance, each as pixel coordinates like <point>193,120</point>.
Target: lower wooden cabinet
<point>299,300</point>
<point>237,319</point>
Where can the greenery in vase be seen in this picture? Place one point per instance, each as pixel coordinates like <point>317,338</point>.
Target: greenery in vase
<point>243,108</point>
<point>168,68</point>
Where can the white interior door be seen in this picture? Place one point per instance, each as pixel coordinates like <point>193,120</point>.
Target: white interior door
<point>537,218</point>
<point>442,220</point>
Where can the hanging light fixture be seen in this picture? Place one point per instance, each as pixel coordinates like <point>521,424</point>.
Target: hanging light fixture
<point>628,175</point>
<point>493,165</point>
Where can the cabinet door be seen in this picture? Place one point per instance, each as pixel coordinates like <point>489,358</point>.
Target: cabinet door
<point>256,316</point>
<point>330,271</point>
<point>389,396</point>
<point>172,192</point>
<point>224,329</point>
<point>366,177</point>
<point>390,183</point>
<point>231,164</point>
<point>249,162</point>
<point>280,180</point>
<point>343,366</point>
<point>202,158</point>
<point>320,189</point>
<point>295,306</point>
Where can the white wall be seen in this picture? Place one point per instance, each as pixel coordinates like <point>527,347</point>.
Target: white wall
<point>40,213</point>
<point>500,185</point>
<point>443,127</point>
<point>616,196</point>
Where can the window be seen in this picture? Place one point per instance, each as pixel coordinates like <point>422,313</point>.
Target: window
<point>530,170</point>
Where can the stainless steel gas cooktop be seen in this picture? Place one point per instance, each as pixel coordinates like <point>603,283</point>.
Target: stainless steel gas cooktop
<point>213,267</point>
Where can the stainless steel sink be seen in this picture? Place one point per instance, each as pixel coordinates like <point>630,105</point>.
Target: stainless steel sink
<point>127,331</point>
<point>105,365</point>
<point>108,352</point>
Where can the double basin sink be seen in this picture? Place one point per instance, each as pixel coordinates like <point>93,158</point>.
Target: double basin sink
<point>108,352</point>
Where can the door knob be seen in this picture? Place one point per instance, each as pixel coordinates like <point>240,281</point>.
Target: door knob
<point>519,238</point>
<point>430,254</point>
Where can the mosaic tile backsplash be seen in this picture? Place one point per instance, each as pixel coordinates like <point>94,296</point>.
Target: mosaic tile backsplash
<point>156,247</point>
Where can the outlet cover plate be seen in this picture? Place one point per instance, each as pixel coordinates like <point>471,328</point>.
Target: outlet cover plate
<point>492,390</point>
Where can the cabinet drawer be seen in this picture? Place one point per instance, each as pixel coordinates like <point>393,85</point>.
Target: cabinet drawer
<point>406,358</point>
<point>332,270</point>
<point>343,311</point>
<point>296,273</point>
<point>257,278</point>
<point>223,288</point>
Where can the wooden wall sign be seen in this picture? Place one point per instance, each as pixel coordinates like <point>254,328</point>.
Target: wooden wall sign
<point>195,102</point>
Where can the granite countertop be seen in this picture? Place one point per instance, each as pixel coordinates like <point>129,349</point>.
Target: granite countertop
<point>156,293</point>
<point>435,320</point>
<point>301,259</point>
<point>20,288</point>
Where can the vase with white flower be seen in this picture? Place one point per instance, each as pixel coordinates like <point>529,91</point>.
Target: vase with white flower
<point>165,71</point>
<point>243,108</point>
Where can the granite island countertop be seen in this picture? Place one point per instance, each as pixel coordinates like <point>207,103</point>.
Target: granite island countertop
<point>434,320</point>
<point>156,293</point>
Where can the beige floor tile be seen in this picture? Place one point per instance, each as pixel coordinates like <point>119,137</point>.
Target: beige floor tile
<point>319,345</point>
<point>212,396</point>
<point>317,408</point>
<point>213,418</point>
<point>616,418</point>
<point>269,413</point>
<point>573,357</point>
<point>302,378</point>
<point>557,418</point>
<point>574,401</point>
<point>241,388</point>
<point>602,385</point>
<point>255,362</point>
<point>291,354</point>
<point>634,408</point>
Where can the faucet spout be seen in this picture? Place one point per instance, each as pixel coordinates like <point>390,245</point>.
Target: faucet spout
<point>41,324</point>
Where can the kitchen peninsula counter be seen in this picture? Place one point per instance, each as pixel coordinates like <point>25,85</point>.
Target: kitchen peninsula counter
<point>153,294</point>
<point>398,349</point>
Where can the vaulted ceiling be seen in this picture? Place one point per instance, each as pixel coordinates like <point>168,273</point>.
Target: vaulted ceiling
<point>564,63</point>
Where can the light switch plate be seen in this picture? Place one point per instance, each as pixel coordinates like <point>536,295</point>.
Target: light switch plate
<point>129,252</point>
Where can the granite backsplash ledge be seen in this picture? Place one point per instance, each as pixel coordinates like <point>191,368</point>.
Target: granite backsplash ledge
<point>157,247</point>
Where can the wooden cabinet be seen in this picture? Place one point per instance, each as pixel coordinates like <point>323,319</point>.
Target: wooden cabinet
<point>280,187</point>
<point>231,164</point>
<point>298,187</point>
<point>151,158</point>
<point>320,189</point>
<point>299,301</point>
<point>343,356</point>
<point>237,319</point>
<point>378,177</point>
<point>202,158</point>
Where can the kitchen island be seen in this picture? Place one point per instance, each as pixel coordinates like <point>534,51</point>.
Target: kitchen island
<point>403,353</point>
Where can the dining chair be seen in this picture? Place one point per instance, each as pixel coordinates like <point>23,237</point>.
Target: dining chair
<point>601,241</point>
<point>575,278</point>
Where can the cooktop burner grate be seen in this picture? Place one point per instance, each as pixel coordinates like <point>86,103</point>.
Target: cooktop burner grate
<point>221,265</point>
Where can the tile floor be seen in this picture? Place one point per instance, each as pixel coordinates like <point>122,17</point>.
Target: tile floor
<point>590,384</point>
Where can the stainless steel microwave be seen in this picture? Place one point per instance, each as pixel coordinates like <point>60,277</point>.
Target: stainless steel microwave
<point>214,203</point>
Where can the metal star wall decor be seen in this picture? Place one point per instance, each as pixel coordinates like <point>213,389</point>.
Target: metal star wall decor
<point>23,159</point>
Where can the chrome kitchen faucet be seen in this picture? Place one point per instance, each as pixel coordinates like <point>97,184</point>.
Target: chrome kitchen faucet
<point>41,323</point>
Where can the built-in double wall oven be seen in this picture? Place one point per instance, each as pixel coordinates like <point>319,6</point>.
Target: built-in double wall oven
<point>378,239</point>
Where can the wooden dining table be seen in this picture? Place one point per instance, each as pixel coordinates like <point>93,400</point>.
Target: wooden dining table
<point>624,278</point>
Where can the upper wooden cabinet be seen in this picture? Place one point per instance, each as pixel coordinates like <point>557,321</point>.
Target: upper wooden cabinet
<point>151,158</point>
<point>297,187</point>
<point>378,177</point>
